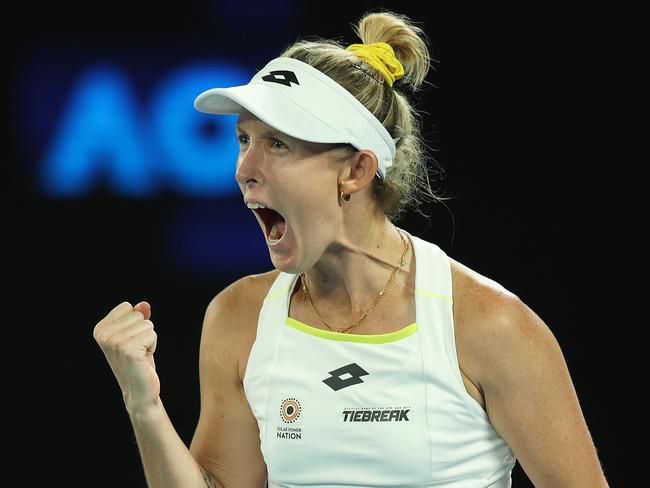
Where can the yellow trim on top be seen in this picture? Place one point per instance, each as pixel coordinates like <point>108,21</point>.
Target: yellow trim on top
<point>433,294</point>
<point>365,338</point>
<point>276,293</point>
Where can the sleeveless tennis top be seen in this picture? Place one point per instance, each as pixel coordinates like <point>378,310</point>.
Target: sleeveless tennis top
<point>386,410</point>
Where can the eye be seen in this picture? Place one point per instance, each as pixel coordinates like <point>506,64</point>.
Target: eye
<point>242,139</point>
<point>278,144</point>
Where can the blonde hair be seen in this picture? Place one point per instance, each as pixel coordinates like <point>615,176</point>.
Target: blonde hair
<point>407,183</point>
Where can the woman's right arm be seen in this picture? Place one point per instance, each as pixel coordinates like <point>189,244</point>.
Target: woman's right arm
<point>225,450</point>
<point>227,441</point>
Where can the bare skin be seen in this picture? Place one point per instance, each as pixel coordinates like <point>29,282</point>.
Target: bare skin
<point>510,362</point>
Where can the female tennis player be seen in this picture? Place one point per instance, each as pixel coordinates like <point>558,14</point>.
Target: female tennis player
<point>367,357</point>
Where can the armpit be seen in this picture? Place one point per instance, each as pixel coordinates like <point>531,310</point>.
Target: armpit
<point>209,480</point>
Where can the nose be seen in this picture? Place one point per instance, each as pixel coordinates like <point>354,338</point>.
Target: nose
<point>248,168</point>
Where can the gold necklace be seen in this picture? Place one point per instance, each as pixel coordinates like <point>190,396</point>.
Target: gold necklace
<point>382,292</point>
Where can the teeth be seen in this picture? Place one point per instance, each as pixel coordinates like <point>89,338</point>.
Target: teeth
<point>254,205</point>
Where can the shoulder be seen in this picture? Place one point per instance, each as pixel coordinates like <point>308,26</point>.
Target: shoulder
<point>495,329</point>
<point>230,321</point>
<point>478,296</point>
<point>241,298</point>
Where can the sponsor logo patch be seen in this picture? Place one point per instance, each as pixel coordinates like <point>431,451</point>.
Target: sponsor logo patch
<point>282,77</point>
<point>345,376</point>
<point>290,410</point>
<point>376,414</point>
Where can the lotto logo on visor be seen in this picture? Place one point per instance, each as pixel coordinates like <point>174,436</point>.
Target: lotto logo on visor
<point>315,108</point>
<point>283,77</point>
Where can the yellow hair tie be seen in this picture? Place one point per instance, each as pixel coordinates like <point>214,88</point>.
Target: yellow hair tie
<point>380,56</point>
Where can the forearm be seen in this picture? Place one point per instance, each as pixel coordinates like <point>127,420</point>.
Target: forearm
<point>166,459</point>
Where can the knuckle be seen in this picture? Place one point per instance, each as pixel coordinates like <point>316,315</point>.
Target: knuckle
<point>98,336</point>
<point>112,342</point>
<point>152,336</point>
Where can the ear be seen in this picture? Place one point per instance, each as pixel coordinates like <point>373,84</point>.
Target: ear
<point>359,172</point>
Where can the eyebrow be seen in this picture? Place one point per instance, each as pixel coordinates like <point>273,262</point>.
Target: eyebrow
<point>268,133</point>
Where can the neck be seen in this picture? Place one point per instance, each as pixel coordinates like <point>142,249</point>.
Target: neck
<point>353,270</point>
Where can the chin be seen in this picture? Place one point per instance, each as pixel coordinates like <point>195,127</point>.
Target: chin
<point>284,265</point>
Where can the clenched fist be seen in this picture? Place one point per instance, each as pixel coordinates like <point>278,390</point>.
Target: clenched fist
<point>127,338</point>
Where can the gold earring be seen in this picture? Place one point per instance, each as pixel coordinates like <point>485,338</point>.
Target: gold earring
<point>344,196</point>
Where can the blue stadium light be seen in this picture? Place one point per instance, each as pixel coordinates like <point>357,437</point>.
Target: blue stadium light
<point>199,149</point>
<point>99,137</point>
<point>106,137</point>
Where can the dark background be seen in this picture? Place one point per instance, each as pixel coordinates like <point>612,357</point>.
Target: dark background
<point>535,113</point>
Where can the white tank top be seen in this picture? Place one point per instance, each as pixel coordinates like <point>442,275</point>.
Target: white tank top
<point>385,410</point>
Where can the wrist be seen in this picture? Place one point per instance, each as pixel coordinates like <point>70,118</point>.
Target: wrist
<point>146,413</point>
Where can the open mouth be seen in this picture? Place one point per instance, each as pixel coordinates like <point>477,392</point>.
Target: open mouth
<point>274,224</point>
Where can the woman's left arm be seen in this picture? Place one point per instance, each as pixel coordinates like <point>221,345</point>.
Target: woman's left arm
<point>530,397</point>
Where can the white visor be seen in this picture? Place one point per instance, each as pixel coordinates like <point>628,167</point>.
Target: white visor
<point>301,101</point>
